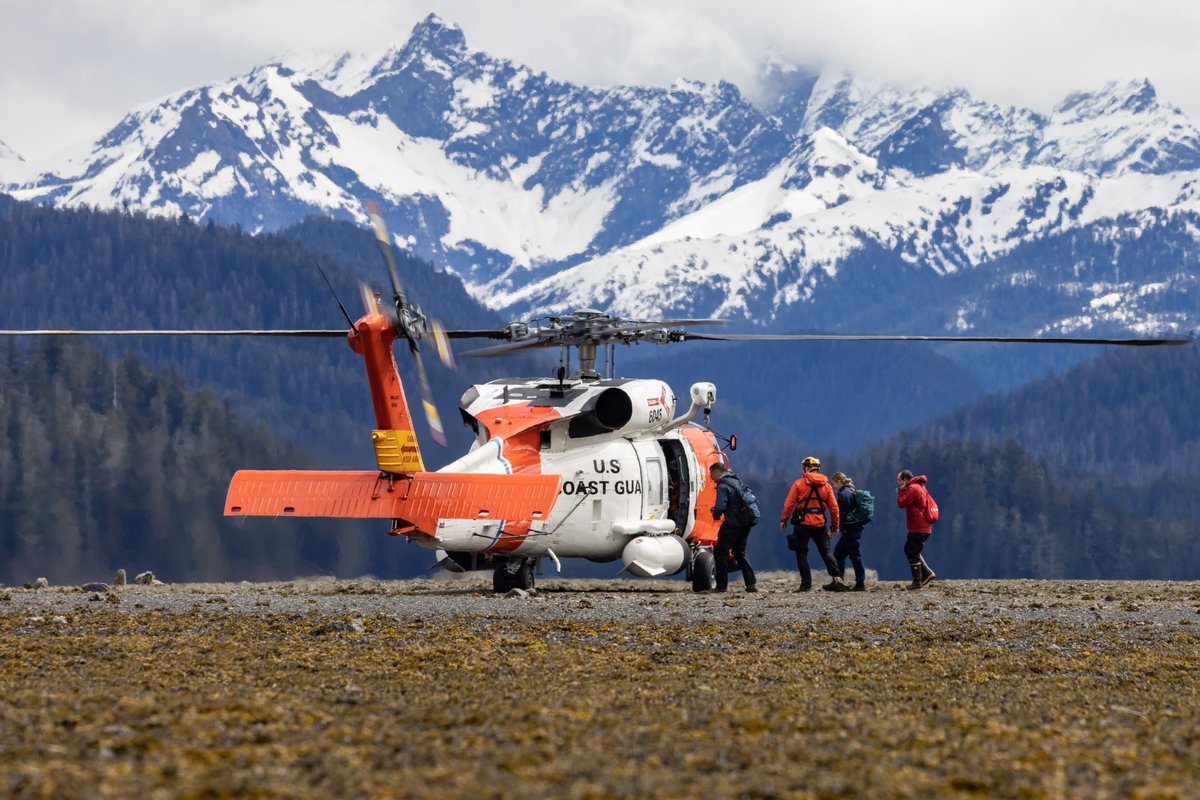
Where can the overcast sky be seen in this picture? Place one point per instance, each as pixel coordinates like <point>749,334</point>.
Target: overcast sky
<point>70,69</point>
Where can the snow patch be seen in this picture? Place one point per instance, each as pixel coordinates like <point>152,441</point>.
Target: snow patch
<point>474,94</point>
<point>497,214</point>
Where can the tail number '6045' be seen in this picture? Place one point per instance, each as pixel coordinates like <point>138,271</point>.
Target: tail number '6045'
<point>656,416</point>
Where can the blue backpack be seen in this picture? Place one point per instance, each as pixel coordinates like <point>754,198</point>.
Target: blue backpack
<point>747,513</point>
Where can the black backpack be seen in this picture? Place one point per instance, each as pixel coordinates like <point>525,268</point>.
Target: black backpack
<point>747,512</point>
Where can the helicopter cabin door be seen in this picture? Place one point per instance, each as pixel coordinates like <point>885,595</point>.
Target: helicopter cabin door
<point>654,500</point>
<point>679,488</point>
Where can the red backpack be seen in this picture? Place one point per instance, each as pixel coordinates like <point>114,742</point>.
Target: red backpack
<point>930,512</point>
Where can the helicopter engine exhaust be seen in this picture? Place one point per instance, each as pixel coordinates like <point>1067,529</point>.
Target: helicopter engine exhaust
<point>614,409</point>
<point>634,406</point>
<point>651,556</point>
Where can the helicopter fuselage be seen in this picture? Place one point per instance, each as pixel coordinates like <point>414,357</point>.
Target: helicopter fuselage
<point>626,470</point>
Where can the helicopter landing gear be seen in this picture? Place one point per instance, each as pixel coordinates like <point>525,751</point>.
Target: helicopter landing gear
<point>515,573</point>
<point>704,571</point>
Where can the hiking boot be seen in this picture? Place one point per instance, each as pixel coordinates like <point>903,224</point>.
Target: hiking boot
<point>859,587</point>
<point>836,585</point>
<point>926,573</point>
<point>916,577</point>
<point>804,588</point>
<point>752,588</point>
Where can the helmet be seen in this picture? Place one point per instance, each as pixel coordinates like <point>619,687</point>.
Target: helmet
<point>811,462</point>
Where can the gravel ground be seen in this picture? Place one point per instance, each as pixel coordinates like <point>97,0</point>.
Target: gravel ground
<point>438,688</point>
<point>1152,605</point>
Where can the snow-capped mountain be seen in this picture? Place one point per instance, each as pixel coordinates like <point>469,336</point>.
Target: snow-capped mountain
<point>480,163</point>
<point>7,153</point>
<point>543,195</point>
<point>1119,129</point>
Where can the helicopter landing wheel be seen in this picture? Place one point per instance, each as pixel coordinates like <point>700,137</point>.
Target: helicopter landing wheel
<point>516,573</point>
<point>704,572</point>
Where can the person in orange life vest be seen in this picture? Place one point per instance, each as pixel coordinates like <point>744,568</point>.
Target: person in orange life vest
<point>809,499</point>
<point>913,497</point>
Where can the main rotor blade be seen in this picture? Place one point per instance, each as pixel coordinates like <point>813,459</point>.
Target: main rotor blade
<point>835,337</point>
<point>640,325</point>
<point>478,334</point>
<point>320,333</point>
<point>511,347</point>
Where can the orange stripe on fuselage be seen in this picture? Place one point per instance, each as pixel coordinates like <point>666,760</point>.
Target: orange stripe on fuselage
<point>519,428</point>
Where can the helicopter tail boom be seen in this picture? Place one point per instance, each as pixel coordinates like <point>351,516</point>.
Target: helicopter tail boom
<point>419,499</point>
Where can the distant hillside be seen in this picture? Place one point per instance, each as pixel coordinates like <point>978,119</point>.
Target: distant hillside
<point>1126,423</point>
<point>106,464</point>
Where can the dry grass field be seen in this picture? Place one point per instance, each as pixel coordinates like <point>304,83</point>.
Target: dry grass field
<point>1031,690</point>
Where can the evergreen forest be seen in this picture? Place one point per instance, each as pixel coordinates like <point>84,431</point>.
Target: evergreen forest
<point>107,464</point>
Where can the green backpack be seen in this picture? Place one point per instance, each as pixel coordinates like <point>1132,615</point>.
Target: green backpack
<point>864,508</point>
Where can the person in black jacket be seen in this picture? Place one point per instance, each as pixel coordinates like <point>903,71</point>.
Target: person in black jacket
<point>734,532</point>
<point>849,542</point>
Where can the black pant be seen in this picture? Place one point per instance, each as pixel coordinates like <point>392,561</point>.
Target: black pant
<point>821,539</point>
<point>730,538</point>
<point>848,544</point>
<point>914,545</point>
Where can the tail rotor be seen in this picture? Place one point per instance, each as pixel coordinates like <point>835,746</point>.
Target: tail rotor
<point>411,323</point>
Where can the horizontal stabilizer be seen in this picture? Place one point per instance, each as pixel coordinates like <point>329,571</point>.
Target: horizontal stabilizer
<point>420,498</point>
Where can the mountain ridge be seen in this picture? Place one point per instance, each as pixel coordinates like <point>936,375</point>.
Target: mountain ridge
<point>541,195</point>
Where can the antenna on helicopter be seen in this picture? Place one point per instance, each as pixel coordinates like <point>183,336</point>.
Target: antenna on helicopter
<point>337,300</point>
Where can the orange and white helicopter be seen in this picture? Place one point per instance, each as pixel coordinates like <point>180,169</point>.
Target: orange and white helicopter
<point>581,465</point>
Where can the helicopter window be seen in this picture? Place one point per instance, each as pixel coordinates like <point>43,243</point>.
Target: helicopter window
<point>545,439</point>
<point>597,508</point>
<point>654,481</point>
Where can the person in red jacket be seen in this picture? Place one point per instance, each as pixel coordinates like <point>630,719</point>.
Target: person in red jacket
<point>913,497</point>
<point>807,503</point>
